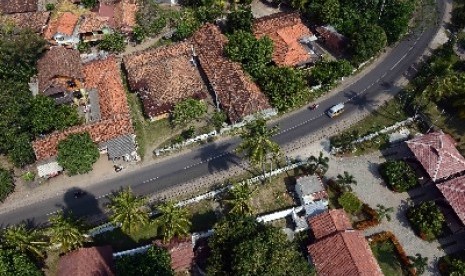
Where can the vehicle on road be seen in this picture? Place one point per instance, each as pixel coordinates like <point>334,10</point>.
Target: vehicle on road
<point>314,106</point>
<point>335,110</point>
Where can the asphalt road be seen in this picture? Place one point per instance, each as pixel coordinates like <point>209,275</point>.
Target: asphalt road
<point>217,156</point>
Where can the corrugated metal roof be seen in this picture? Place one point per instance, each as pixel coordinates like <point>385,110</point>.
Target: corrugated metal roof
<point>120,146</point>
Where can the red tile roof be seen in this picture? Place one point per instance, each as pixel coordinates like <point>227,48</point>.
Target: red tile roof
<point>182,253</point>
<point>58,62</point>
<point>121,14</point>
<point>454,192</point>
<point>437,154</point>
<point>93,22</point>
<point>104,75</point>
<point>343,254</point>
<point>285,29</point>
<point>36,21</point>
<point>329,222</point>
<point>93,261</point>
<point>64,24</point>
<point>164,76</point>
<point>238,95</point>
<point>18,6</point>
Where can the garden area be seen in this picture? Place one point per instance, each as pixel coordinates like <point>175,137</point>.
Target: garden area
<point>398,175</point>
<point>452,264</point>
<point>427,220</point>
<point>388,258</point>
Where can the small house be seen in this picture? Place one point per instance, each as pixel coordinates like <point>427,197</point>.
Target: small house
<point>63,31</point>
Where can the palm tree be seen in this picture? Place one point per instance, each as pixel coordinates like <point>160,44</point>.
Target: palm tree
<point>173,222</point>
<point>419,263</point>
<point>318,165</point>
<point>384,212</point>
<point>128,210</point>
<point>24,240</point>
<point>66,232</point>
<point>345,180</point>
<point>239,200</point>
<point>257,144</point>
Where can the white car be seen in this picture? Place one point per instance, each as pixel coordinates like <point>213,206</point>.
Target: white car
<point>335,110</point>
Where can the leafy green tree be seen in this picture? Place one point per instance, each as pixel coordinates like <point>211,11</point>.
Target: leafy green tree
<point>395,18</point>
<point>128,210</point>
<point>458,17</point>
<point>367,42</point>
<point>384,212</point>
<point>7,185</point>
<point>49,7</point>
<point>151,20</point>
<point>173,222</point>
<point>345,181</point>
<point>186,26</point>
<point>139,34</point>
<point>285,87</point>
<point>114,43</point>
<point>427,219</point>
<point>188,110</point>
<point>26,241</point>
<point>239,20</point>
<point>21,152</point>
<point>318,165</point>
<point>419,263</point>
<point>350,203</point>
<point>218,119</point>
<point>328,72</point>
<point>88,4</point>
<point>77,153</point>
<point>243,246</point>
<point>238,199</point>
<point>66,232</point>
<point>156,261</point>
<point>398,175</point>
<point>13,263</point>
<point>325,11</point>
<point>456,267</point>
<point>257,145</point>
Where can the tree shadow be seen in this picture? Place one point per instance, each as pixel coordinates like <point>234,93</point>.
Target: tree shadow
<point>84,205</point>
<point>219,157</point>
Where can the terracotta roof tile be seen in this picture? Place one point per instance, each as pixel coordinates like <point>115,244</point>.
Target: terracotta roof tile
<point>93,22</point>
<point>64,24</point>
<point>95,261</point>
<point>285,29</point>
<point>182,253</point>
<point>56,63</point>
<point>437,154</point>
<point>18,6</point>
<point>36,21</point>
<point>238,95</point>
<point>164,76</point>
<point>329,222</point>
<point>454,192</point>
<point>342,254</point>
<point>335,41</point>
<point>125,15</point>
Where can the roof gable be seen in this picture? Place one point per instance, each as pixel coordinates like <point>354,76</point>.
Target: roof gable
<point>437,154</point>
<point>454,192</point>
<point>96,260</point>
<point>64,24</point>
<point>329,222</point>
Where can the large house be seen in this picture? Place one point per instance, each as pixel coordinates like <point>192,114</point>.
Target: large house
<point>97,260</point>
<point>63,30</point>
<point>453,191</point>
<point>163,77</point>
<point>36,21</point>
<point>338,250</point>
<point>121,14</point>
<point>292,40</point>
<point>234,90</point>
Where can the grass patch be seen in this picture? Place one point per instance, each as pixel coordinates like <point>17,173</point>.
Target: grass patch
<point>202,215</point>
<point>387,258</point>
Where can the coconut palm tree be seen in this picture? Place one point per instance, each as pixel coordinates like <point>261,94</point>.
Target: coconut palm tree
<point>345,180</point>
<point>419,263</point>
<point>128,210</point>
<point>24,240</point>
<point>384,212</point>
<point>66,232</point>
<point>318,165</point>
<point>173,222</point>
<point>257,145</point>
<point>239,199</point>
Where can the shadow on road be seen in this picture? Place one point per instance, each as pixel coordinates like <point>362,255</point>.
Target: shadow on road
<point>82,204</point>
<point>219,157</point>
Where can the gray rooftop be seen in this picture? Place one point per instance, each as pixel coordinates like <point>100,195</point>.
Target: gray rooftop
<point>94,105</point>
<point>120,146</point>
<point>309,184</point>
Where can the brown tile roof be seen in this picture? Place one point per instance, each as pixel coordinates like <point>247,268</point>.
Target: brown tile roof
<point>182,253</point>
<point>335,41</point>
<point>285,29</point>
<point>342,254</point>
<point>238,95</point>
<point>329,222</point>
<point>454,192</point>
<point>437,154</point>
<point>93,22</point>
<point>36,21</point>
<point>103,75</point>
<point>125,15</point>
<point>64,24</point>
<point>164,76</point>
<point>56,63</point>
<point>93,261</point>
<point>18,6</point>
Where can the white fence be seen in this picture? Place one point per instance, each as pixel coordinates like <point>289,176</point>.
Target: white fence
<point>275,215</point>
<point>203,137</point>
<point>102,229</point>
<point>131,252</point>
<point>384,130</point>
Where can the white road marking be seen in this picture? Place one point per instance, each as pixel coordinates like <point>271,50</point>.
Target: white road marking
<point>207,160</point>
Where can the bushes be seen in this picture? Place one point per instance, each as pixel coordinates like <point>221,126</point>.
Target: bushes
<point>6,184</point>
<point>77,153</point>
<point>365,224</point>
<point>156,261</point>
<point>427,219</point>
<point>113,43</point>
<point>449,265</point>
<point>398,175</point>
<point>350,202</point>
